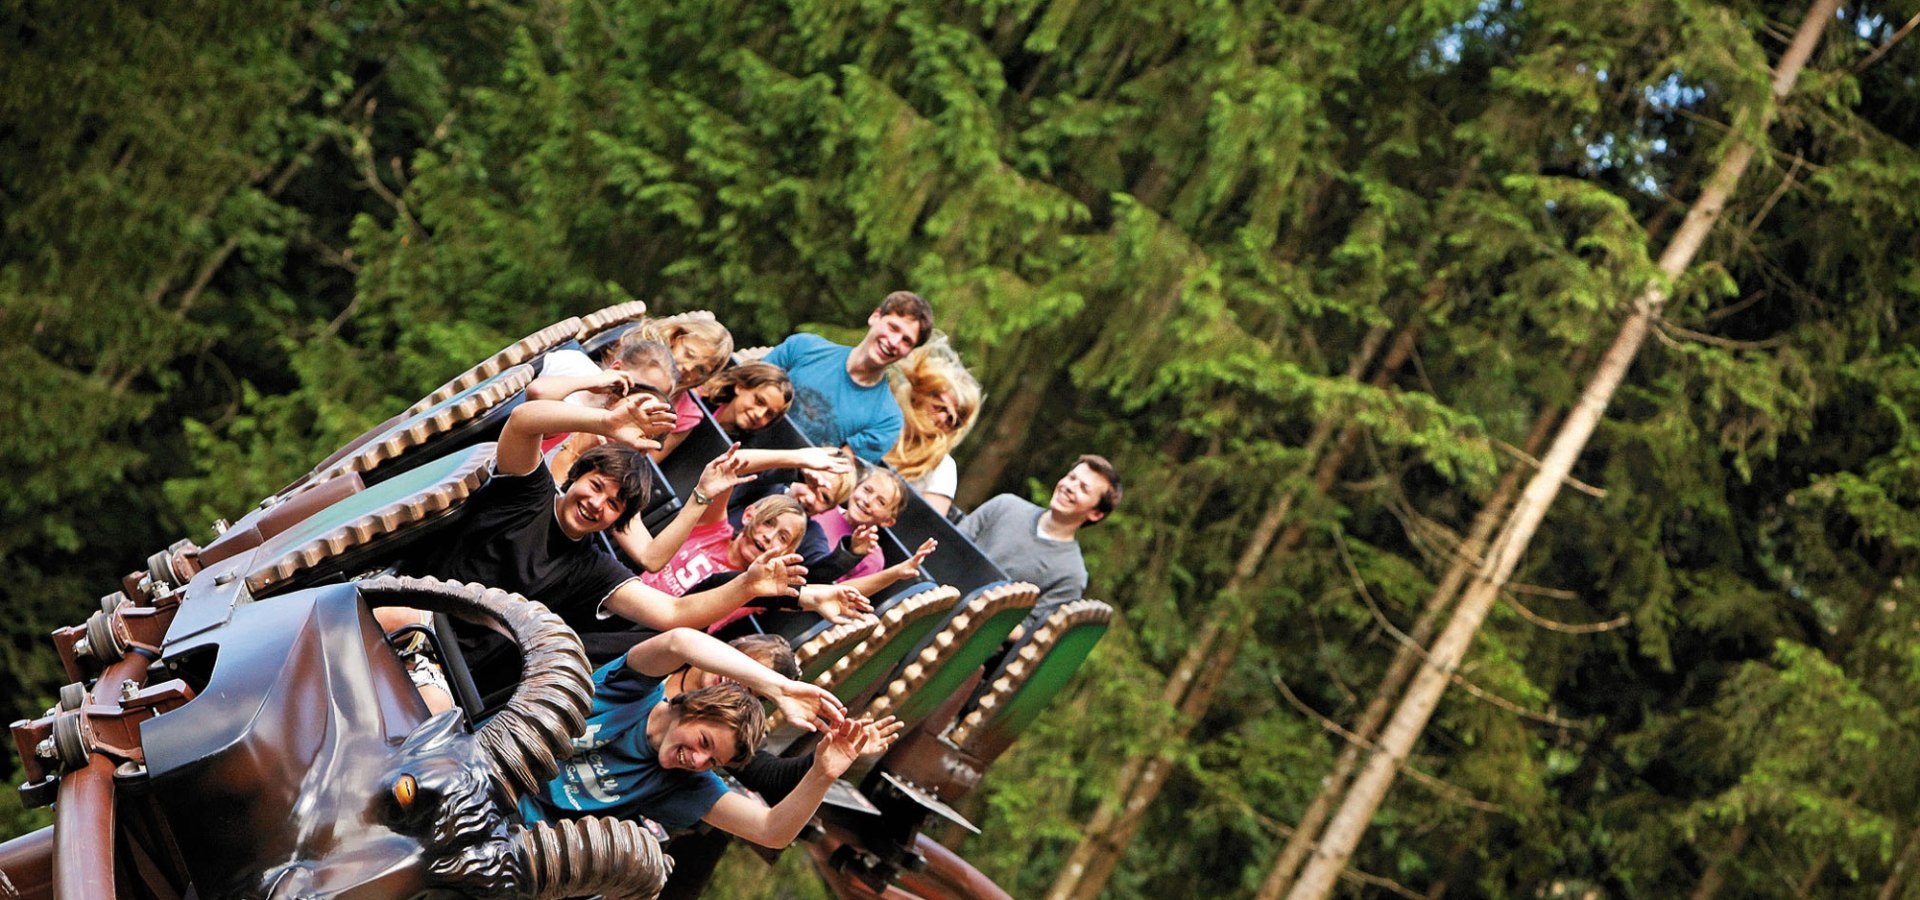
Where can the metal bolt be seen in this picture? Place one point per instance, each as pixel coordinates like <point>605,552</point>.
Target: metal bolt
<point>128,691</point>
<point>223,579</point>
<point>44,749</point>
<point>83,647</point>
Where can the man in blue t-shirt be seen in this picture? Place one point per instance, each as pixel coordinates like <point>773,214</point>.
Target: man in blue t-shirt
<point>840,394</point>
<point>645,755</point>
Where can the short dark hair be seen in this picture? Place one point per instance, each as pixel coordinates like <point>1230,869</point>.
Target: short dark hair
<point>1109,498</point>
<point>912,306</point>
<point>622,464</point>
<point>770,650</point>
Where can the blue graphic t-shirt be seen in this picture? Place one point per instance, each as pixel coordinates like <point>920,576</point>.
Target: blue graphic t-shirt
<point>828,406</point>
<point>614,771</point>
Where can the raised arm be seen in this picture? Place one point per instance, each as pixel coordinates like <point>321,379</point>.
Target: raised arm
<point>776,826</point>
<point>805,705</point>
<point>907,568</point>
<point>772,575</point>
<point>743,463</point>
<point>632,421</point>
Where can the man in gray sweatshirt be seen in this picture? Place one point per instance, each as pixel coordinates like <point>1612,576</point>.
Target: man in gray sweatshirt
<point>1037,545</point>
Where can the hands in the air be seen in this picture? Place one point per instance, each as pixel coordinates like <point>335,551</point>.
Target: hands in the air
<point>837,603</point>
<point>723,473</point>
<point>848,740</point>
<point>774,574</point>
<point>808,705</point>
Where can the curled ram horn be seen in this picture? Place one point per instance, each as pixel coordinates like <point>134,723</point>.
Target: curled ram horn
<point>526,740</point>
<point>582,857</point>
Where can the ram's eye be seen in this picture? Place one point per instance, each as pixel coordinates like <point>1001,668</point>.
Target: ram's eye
<point>405,789</point>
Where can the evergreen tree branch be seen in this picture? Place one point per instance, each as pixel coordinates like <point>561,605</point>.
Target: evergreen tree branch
<point>1881,50</point>
<point>1444,789</point>
<point>1667,332</point>
<point>1407,640</point>
<point>1534,463</point>
<point>1563,627</point>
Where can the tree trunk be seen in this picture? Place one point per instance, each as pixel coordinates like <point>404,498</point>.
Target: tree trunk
<point>1404,660</point>
<point>1410,719</point>
<point>1016,417</point>
<point>1114,822</point>
<point>1891,888</point>
<point>1712,879</point>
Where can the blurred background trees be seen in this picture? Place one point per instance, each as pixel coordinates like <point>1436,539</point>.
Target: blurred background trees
<point>1316,276</point>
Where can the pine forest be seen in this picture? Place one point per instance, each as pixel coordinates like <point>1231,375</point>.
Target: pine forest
<point>1517,398</point>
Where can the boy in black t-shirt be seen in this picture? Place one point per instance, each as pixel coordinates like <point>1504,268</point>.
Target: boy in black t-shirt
<point>521,536</point>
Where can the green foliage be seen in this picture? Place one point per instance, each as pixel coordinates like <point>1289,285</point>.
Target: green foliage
<point>1165,231</point>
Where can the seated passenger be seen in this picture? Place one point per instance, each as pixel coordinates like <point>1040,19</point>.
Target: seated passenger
<point>647,756</point>
<point>1038,545</point>
<point>840,395</point>
<point>771,524</point>
<point>939,401</point>
<point>854,529</point>
<point>818,491</point>
<point>578,381</point>
<point>700,347</point>
<point>748,397</point>
<point>518,534</point>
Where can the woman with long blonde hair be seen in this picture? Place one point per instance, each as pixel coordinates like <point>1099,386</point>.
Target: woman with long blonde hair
<point>939,402</point>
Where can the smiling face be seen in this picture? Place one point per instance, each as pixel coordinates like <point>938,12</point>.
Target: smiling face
<point>752,409</point>
<point>890,338</point>
<point>697,745</point>
<point>875,502</point>
<point>781,532</point>
<point>1077,496</point>
<point>592,503</point>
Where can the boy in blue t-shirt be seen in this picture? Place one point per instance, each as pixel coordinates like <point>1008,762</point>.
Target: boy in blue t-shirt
<point>840,393</point>
<point>641,756</point>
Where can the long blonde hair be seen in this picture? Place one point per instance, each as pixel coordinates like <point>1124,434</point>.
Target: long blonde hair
<point>697,341</point>
<point>931,369</point>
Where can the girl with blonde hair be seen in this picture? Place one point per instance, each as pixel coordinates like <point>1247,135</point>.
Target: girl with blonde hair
<point>700,347</point>
<point>939,402</point>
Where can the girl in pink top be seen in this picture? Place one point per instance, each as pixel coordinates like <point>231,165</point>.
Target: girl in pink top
<point>874,505</point>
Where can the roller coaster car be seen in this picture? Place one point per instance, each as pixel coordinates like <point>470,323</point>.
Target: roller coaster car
<point>237,725</point>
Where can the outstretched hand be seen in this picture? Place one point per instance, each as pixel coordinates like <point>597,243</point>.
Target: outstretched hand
<point>837,603</point>
<point>774,574</point>
<point>825,459</point>
<point>877,736</point>
<point>637,419</point>
<point>910,567</point>
<point>807,705</point>
<point>863,539</point>
<point>612,382</point>
<point>723,473</point>
<point>848,740</point>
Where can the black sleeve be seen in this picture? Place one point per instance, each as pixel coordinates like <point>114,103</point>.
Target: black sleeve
<point>836,563</point>
<point>773,777</point>
<point>719,579</point>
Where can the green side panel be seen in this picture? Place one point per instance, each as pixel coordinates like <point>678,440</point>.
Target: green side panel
<point>884,662</point>
<point>1049,678</point>
<point>371,500</point>
<point>959,665</point>
<point>820,666</point>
